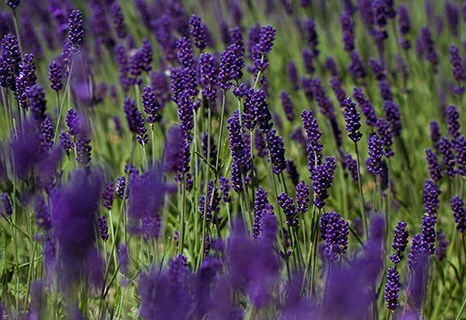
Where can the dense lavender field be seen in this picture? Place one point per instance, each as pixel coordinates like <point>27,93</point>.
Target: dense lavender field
<point>169,159</point>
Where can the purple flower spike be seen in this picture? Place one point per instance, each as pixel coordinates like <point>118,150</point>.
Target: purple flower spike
<point>356,67</point>
<point>334,230</point>
<point>392,288</point>
<point>400,241</point>
<point>209,203</point>
<point>446,148</point>
<point>120,187</point>
<point>353,120</point>
<point>288,206</point>
<point>428,46</point>
<point>453,116</point>
<point>197,31</point>
<point>434,129</point>
<point>287,105</point>
<point>103,228</point>
<point>225,188</point>
<point>347,26</point>
<point>108,195</point>
<point>208,76</point>
<point>277,151</point>
<point>366,107</point>
<point>322,179</point>
<point>311,36</point>
<point>459,213</point>
<point>435,170</point>
<point>393,116</point>
<point>118,20</point>
<point>135,121</point>
<point>404,23</point>
<point>431,197</point>
<point>457,64</point>
<point>151,105</point>
<point>75,24</point>
<point>302,197</point>
<point>73,121</point>
<point>460,148</point>
<point>428,233</point>
<point>375,162</point>
<point>36,95</point>
<point>66,143</point>
<point>83,150</point>
<point>55,76</point>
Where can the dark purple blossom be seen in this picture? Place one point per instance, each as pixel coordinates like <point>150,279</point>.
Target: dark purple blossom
<point>311,35</point>
<point>452,14</point>
<point>276,150</point>
<point>198,32</point>
<point>366,107</point>
<point>334,230</point>
<point>83,150</point>
<point>135,120</point>
<point>392,288</point>
<point>120,187</point>
<point>289,209</point>
<point>76,30</point>
<point>108,195</point>
<point>393,116</point>
<point>435,135</point>
<point>302,197</point>
<point>400,241</point>
<point>347,26</point>
<point>225,188</point>
<point>353,120</point>
<point>322,179</point>
<point>458,65</point>
<point>151,105</point>
<point>375,162</point>
<point>384,132</point>
<point>337,88</point>
<point>356,66</point>
<point>447,150</point>
<point>118,20</point>
<point>430,53</point>
<point>65,142</point>
<point>460,148</point>
<point>435,170</point>
<point>428,233</point>
<point>208,69</point>
<point>459,213</point>
<point>431,197</point>
<point>453,116</point>
<point>308,61</point>
<point>55,75</point>
<point>103,227</point>
<point>287,105</point>
<point>36,96</point>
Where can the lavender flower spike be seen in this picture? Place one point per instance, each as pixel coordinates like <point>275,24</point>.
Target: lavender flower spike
<point>400,241</point>
<point>76,31</point>
<point>459,213</point>
<point>353,120</point>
